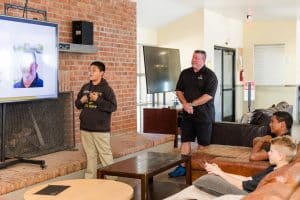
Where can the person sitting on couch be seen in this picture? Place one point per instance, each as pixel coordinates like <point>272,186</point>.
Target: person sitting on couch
<point>282,151</point>
<point>281,123</point>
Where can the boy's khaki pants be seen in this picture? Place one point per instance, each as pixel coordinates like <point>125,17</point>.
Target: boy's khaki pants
<point>96,144</point>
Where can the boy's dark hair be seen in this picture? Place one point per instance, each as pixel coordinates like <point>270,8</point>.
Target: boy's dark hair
<point>100,65</point>
<point>286,117</point>
<point>201,52</point>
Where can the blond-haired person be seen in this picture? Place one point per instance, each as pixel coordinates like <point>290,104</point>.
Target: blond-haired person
<point>283,150</point>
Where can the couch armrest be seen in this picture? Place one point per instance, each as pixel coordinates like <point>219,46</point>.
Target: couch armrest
<point>236,134</point>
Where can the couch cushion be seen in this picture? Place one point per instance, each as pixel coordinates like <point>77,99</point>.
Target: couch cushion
<point>241,167</point>
<point>191,192</point>
<point>297,157</point>
<point>288,174</point>
<point>270,191</point>
<point>296,194</point>
<point>236,134</point>
<point>231,159</point>
<point>226,151</point>
<point>210,152</point>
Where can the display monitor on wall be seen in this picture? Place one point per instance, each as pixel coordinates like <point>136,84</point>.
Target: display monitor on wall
<point>29,59</point>
<point>162,68</point>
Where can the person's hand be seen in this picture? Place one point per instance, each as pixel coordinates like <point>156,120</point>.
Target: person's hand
<point>213,169</point>
<point>188,108</point>
<point>256,139</point>
<point>94,96</point>
<point>84,99</point>
<point>266,139</point>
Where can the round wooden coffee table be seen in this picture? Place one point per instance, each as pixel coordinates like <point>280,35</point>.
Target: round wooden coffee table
<point>85,189</point>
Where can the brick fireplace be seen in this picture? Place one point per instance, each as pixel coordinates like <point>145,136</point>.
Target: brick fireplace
<point>38,127</point>
<point>115,40</point>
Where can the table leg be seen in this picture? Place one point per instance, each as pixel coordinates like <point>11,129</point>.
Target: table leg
<point>188,175</point>
<point>144,188</point>
<point>100,175</point>
<point>176,140</point>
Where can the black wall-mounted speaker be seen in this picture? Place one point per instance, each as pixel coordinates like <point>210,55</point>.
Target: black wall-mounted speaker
<point>82,32</point>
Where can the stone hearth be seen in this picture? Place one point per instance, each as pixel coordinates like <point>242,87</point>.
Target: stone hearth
<point>64,162</point>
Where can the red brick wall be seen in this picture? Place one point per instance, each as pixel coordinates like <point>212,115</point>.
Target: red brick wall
<point>115,38</point>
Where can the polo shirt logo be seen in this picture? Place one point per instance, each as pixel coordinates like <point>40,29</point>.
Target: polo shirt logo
<point>200,77</point>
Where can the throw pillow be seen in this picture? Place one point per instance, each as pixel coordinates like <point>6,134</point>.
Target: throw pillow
<point>216,185</point>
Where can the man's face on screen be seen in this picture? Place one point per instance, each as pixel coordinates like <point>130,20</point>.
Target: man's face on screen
<point>28,67</point>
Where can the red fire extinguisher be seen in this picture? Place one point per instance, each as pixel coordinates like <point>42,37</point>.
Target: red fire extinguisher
<point>242,75</point>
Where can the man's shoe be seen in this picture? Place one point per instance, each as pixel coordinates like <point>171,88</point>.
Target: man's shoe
<point>179,171</point>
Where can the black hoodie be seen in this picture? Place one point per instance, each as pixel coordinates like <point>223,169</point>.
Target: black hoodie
<point>96,115</point>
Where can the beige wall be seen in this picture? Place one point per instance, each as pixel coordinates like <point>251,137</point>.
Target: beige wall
<point>225,32</point>
<point>271,32</point>
<point>298,53</point>
<point>185,34</point>
<point>146,36</point>
<point>221,31</point>
<point>266,96</point>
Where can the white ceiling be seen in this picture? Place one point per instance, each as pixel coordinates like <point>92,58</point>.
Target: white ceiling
<point>157,13</point>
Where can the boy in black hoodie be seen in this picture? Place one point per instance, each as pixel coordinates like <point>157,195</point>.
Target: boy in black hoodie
<point>97,101</point>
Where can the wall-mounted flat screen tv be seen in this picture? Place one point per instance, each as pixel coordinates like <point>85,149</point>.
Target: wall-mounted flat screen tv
<point>162,68</point>
<point>29,59</point>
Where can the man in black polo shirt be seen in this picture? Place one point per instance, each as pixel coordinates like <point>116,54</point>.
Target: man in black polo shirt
<point>195,90</point>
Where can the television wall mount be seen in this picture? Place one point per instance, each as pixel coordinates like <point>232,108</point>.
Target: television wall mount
<point>8,6</point>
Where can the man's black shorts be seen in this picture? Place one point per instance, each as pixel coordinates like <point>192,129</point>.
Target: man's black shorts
<point>191,129</point>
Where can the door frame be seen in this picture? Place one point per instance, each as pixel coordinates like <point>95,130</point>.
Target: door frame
<point>222,78</point>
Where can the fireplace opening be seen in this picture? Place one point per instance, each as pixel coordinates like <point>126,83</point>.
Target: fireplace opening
<point>37,127</point>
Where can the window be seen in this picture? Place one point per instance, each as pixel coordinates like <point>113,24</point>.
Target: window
<point>269,64</point>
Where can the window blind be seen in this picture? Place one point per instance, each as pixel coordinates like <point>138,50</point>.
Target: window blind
<point>269,64</point>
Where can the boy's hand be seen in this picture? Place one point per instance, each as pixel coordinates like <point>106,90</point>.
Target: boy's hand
<point>84,99</point>
<point>213,169</point>
<point>93,96</point>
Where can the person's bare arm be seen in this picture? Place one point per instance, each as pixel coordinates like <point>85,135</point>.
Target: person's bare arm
<point>233,179</point>
<point>258,153</point>
<point>202,100</point>
<point>186,105</point>
<point>255,140</point>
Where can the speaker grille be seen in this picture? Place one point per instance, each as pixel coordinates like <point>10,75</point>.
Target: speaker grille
<point>82,32</point>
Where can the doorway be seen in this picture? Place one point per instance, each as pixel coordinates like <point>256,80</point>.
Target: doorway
<point>224,61</point>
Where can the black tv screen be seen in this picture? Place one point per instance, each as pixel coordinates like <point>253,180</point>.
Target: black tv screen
<point>29,59</point>
<point>162,68</point>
